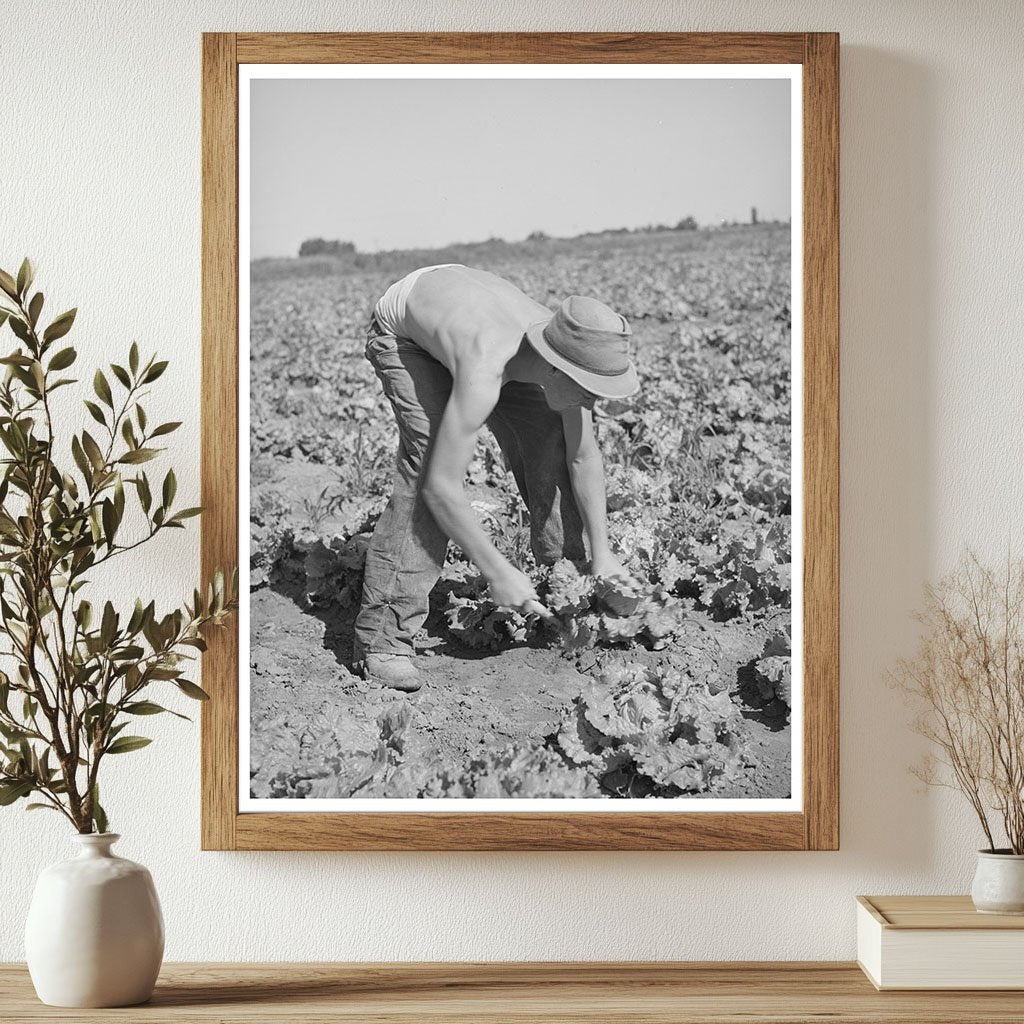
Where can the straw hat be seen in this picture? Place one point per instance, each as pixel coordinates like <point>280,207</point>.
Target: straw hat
<point>589,342</point>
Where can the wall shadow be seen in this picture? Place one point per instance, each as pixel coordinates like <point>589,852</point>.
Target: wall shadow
<point>887,292</point>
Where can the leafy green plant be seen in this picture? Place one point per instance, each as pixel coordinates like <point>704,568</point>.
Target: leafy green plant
<point>635,730</point>
<point>323,763</point>
<point>586,611</point>
<point>655,732</point>
<point>81,673</point>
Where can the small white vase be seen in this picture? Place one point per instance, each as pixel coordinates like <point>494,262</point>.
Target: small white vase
<point>999,882</point>
<point>95,934</point>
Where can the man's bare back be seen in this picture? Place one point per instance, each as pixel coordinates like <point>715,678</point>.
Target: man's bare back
<point>470,319</point>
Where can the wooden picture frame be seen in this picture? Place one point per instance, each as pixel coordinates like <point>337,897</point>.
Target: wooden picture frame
<point>816,826</point>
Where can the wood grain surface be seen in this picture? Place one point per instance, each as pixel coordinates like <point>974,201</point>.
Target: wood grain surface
<point>821,441</point>
<point>520,48</point>
<point>219,430</point>
<point>942,913</point>
<point>612,993</point>
<point>443,831</point>
<point>817,826</point>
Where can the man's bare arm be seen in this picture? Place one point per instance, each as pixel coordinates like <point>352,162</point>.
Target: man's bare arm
<point>472,401</point>
<point>586,474</point>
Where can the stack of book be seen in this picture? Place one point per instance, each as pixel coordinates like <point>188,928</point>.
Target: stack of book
<point>938,942</point>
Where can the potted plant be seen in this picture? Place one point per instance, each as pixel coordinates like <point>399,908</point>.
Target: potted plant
<point>967,680</point>
<point>81,671</point>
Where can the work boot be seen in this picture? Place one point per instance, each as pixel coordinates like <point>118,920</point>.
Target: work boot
<point>396,671</point>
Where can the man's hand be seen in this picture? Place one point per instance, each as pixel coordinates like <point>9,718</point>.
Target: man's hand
<point>514,589</point>
<point>608,566</point>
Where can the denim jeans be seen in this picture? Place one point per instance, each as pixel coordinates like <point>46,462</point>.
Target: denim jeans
<point>408,548</point>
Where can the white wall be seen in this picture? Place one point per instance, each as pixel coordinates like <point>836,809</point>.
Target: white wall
<point>99,181</point>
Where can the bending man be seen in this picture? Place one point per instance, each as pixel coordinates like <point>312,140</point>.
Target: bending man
<point>456,349</point>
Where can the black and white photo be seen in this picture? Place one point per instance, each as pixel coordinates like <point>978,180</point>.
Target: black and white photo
<point>518,403</point>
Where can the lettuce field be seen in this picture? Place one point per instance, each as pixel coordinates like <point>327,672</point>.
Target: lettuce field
<point>677,686</point>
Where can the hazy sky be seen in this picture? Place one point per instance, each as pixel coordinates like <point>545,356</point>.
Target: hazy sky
<point>391,164</point>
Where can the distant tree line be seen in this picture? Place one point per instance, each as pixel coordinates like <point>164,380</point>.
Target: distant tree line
<point>335,247</point>
<point>686,224</point>
<point>326,247</point>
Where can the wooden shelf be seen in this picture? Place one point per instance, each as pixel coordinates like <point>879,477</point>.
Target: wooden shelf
<point>659,993</point>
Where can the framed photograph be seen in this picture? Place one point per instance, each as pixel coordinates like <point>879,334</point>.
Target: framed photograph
<point>520,419</point>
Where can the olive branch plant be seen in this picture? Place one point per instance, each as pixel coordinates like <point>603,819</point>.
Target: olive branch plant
<point>79,674</point>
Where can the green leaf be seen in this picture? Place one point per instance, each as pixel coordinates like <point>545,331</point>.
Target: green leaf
<point>140,415</point>
<point>10,442</point>
<point>83,613</point>
<point>128,433</point>
<point>147,707</point>
<point>185,513</point>
<point>95,412</point>
<point>41,807</point>
<point>130,653</point>
<point>108,626</point>
<point>99,816</point>
<point>80,458</point>
<point>109,521</point>
<point>143,707</point>
<point>165,428</point>
<point>8,285</point>
<point>115,730</point>
<point>191,690</point>
<point>63,359</point>
<point>133,357</point>
<point>92,449</point>
<point>34,308</point>
<point>20,329</point>
<point>169,673</point>
<point>154,371</point>
<point>11,791</point>
<point>60,326</point>
<point>152,633</point>
<point>139,455</point>
<point>102,388</point>
<point>94,526</point>
<point>121,374</point>
<point>135,622</point>
<point>126,744</point>
<point>145,497</point>
<point>170,488</point>
<point>17,359</point>
<point>26,274</point>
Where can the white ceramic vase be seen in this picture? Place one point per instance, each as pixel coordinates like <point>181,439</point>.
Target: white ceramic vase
<point>999,883</point>
<point>95,934</point>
